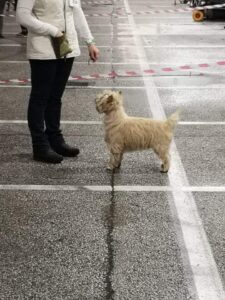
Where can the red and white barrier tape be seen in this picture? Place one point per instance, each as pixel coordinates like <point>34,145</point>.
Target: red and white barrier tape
<point>158,11</point>
<point>11,16</point>
<point>130,73</point>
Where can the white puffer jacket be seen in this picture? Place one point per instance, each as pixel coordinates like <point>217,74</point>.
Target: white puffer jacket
<point>45,18</point>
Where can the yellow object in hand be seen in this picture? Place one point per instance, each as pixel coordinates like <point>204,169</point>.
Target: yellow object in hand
<point>61,46</point>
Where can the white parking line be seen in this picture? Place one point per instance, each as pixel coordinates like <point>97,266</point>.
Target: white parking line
<point>75,62</point>
<point>62,122</point>
<point>215,86</point>
<point>204,270</point>
<point>24,38</point>
<point>133,63</point>
<point>67,188</point>
<point>133,46</point>
<point>14,62</point>
<point>117,188</point>
<point>184,123</point>
<point>185,47</point>
<point>202,123</point>
<point>77,87</point>
<point>141,34</point>
<point>141,188</point>
<point>11,45</point>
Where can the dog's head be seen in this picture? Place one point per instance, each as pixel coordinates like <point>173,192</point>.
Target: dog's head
<point>108,101</point>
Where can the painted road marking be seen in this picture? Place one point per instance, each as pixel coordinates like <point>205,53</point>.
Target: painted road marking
<point>62,122</point>
<point>144,72</point>
<point>214,86</point>
<point>138,33</point>
<point>130,46</point>
<point>12,45</point>
<point>205,275</point>
<point>184,123</point>
<point>117,188</point>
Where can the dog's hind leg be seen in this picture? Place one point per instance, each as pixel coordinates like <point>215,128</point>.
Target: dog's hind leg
<point>163,154</point>
<point>165,161</point>
<point>118,159</point>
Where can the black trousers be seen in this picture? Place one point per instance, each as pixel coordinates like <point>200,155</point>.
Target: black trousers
<point>2,7</point>
<point>48,81</point>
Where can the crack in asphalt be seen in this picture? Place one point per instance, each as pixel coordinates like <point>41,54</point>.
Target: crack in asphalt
<point>110,242</point>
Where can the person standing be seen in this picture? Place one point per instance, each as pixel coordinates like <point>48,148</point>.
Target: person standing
<point>2,9</point>
<point>52,31</point>
<point>23,29</point>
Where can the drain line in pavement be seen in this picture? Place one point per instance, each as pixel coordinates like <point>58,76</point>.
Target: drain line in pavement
<point>110,226</point>
<point>111,213</point>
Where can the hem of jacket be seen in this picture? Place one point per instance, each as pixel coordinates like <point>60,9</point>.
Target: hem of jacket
<point>44,57</point>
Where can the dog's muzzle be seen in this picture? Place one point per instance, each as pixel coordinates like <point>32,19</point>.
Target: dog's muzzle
<point>97,105</point>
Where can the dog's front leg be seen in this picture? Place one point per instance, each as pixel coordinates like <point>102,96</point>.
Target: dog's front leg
<point>114,161</point>
<point>111,164</point>
<point>118,158</point>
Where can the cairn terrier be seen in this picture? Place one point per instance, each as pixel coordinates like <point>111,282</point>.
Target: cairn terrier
<point>124,133</point>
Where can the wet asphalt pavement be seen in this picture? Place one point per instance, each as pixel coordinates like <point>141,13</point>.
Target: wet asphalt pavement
<point>75,231</point>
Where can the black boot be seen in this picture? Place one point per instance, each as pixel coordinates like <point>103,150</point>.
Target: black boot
<point>47,156</point>
<point>53,112</point>
<point>64,149</point>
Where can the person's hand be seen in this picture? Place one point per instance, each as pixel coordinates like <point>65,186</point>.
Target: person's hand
<point>61,45</point>
<point>93,52</point>
<point>59,34</point>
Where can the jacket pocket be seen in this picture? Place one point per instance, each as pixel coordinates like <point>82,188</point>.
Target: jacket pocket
<point>40,46</point>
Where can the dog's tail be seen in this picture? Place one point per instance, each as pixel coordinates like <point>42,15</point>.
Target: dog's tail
<point>173,119</point>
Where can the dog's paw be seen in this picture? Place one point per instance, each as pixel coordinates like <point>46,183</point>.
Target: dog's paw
<point>110,168</point>
<point>163,169</point>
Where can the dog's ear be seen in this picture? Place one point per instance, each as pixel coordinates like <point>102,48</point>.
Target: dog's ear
<point>110,99</point>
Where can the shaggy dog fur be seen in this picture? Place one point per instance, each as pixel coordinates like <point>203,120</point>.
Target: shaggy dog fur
<point>124,133</point>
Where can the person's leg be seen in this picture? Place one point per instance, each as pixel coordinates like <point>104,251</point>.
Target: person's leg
<point>15,4</point>
<point>24,30</point>
<point>7,5</point>
<point>1,27</point>
<point>53,109</point>
<point>42,78</point>
<point>2,8</point>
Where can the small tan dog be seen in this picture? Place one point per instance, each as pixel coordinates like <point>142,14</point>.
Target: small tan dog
<point>124,133</point>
